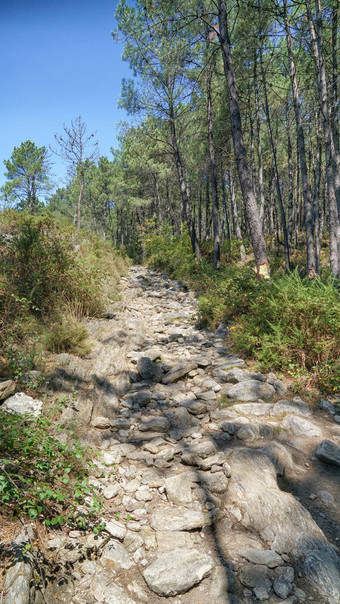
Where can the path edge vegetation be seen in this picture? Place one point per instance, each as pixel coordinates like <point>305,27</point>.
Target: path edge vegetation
<point>290,324</point>
<point>53,278</point>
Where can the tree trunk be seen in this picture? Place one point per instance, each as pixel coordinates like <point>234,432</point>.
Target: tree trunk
<point>272,209</point>
<point>275,167</point>
<point>290,186</point>
<point>244,172</point>
<point>236,224</point>
<point>259,144</point>
<point>302,153</point>
<point>183,187</point>
<point>213,179</point>
<point>317,222</point>
<point>159,205</point>
<point>335,76</point>
<point>199,218</point>
<point>225,208</point>
<point>332,176</point>
<point>80,197</point>
<point>208,217</point>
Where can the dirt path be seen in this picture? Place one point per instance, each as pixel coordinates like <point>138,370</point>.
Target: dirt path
<point>212,488</point>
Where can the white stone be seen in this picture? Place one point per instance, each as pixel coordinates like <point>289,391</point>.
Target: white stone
<point>177,571</point>
<point>178,519</point>
<point>115,529</point>
<point>115,555</point>
<point>112,491</point>
<point>22,403</point>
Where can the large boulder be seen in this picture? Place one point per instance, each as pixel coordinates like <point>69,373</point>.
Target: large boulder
<point>256,502</point>
<point>178,488</point>
<point>236,375</point>
<point>17,583</point>
<point>105,590</point>
<point>253,494</point>
<point>301,427</point>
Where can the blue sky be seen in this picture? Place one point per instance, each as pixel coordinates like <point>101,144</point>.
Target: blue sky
<point>58,60</point>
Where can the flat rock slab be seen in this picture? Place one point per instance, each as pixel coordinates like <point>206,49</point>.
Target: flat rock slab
<point>176,519</point>
<point>250,390</point>
<point>142,398</point>
<point>156,424</point>
<point>260,556</point>
<point>301,427</point>
<point>115,529</point>
<point>230,361</point>
<point>322,568</point>
<point>195,407</point>
<point>218,459</point>
<point>177,372</point>
<point>170,540</point>
<point>22,403</point>
<point>328,452</point>
<point>257,409</point>
<point>177,571</point>
<point>255,575</point>
<point>254,498</point>
<point>236,375</point>
<point>283,407</point>
<point>198,451</point>
<point>17,584</point>
<point>101,422</point>
<point>216,482</point>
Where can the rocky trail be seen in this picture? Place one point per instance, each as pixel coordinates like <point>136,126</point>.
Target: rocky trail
<point>219,485</point>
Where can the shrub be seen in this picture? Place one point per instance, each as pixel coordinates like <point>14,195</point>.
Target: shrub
<point>227,294</point>
<point>41,477</point>
<point>50,269</point>
<point>68,336</point>
<point>294,325</point>
<point>224,294</point>
<point>173,254</point>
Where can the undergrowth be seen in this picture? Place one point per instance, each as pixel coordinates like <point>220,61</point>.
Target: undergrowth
<point>68,336</point>
<point>42,477</point>
<point>290,324</point>
<point>51,277</point>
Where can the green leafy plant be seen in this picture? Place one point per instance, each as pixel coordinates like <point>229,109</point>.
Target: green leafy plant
<point>42,477</point>
<point>294,326</point>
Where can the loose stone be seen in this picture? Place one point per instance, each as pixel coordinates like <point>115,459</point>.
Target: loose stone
<point>177,571</point>
<point>115,555</point>
<point>178,489</point>
<point>328,452</point>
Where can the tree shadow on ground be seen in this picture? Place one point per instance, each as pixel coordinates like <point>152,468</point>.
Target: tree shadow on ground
<point>180,436</point>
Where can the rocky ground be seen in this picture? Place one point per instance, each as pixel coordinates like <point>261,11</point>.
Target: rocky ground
<point>219,485</point>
